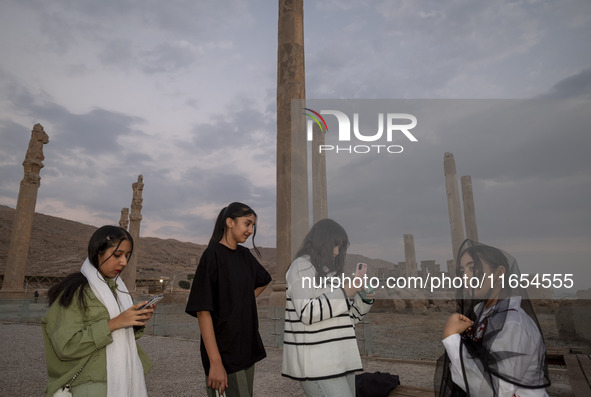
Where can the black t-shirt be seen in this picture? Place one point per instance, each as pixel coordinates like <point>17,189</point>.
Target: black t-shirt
<point>224,285</point>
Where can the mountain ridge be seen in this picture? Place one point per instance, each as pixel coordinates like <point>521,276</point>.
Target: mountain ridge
<point>59,246</point>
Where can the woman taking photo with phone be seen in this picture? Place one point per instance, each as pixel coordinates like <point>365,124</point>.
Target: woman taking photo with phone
<point>320,347</point>
<point>91,327</point>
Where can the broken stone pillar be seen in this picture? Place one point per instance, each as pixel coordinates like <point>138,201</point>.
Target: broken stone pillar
<point>410,258</point>
<point>451,267</point>
<point>469,211</point>
<point>18,252</point>
<point>290,149</point>
<point>400,269</point>
<point>429,267</point>
<point>129,275</point>
<point>124,220</point>
<point>453,206</point>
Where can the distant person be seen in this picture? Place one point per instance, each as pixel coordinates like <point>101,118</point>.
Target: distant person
<point>223,298</point>
<point>494,345</point>
<point>36,295</point>
<point>91,327</point>
<point>320,347</point>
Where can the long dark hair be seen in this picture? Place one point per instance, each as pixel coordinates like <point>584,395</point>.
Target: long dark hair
<point>233,210</point>
<point>479,253</point>
<point>319,245</point>
<point>101,240</point>
<point>477,341</point>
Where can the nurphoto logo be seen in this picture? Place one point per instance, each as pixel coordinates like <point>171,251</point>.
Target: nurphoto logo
<point>397,125</point>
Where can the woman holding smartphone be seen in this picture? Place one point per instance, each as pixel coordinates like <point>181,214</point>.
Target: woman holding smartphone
<point>320,347</point>
<point>91,327</point>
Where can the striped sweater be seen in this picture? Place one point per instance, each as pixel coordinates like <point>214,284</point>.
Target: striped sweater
<point>319,337</point>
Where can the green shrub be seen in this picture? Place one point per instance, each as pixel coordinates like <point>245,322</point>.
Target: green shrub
<point>184,284</point>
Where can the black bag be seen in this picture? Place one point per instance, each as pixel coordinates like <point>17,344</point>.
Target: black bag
<point>378,384</point>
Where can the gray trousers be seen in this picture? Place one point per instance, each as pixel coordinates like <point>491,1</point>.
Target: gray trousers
<point>240,384</point>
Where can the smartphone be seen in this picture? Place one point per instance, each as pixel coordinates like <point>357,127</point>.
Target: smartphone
<point>360,269</point>
<point>152,301</point>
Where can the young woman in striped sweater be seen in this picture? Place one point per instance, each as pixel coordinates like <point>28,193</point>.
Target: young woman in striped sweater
<point>320,348</point>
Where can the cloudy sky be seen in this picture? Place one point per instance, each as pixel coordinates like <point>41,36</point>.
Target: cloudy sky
<point>184,93</point>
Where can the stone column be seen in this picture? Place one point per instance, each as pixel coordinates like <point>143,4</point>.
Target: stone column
<point>428,266</point>
<point>410,258</point>
<point>451,267</point>
<point>300,223</point>
<point>319,192</point>
<point>129,275</point>
<point>18,252</point>
<point>453,205</point>
<point>124,220</point>
<point>469,211</point>
<point>290,86</point>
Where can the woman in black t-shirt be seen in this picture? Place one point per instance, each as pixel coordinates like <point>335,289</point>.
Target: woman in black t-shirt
<point>223,298</point>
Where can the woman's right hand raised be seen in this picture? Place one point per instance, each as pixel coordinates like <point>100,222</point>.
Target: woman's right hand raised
<point>131,317</point>
<point>456,324</point>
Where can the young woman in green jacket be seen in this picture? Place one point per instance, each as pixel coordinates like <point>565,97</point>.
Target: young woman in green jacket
<point>91,325</point>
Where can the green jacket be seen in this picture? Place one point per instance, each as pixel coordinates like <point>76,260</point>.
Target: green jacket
<point>72,334</point>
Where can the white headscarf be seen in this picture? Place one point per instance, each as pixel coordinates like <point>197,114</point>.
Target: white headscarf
<point>125,373</point>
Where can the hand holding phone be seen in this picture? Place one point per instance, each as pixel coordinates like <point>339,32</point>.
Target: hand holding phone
<point>152,301</point>
<point>360,269</point>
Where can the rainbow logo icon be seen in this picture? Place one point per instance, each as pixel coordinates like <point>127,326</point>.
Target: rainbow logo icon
<point>317,118</point>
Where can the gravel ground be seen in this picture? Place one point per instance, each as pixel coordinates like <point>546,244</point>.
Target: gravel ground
<point>178,372</point>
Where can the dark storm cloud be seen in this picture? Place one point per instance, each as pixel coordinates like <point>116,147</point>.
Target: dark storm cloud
<point>118,52</point>
<point>167,58</point>
<point>151,36</point>
<point>173,202</point>
<point>575,86</point>
<point>243,128</point>
<point>94,132</point>
<point>181,16</point>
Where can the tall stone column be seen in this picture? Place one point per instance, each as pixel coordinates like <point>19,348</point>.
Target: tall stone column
<point>469,211</point>
<point>319,191</point>
<point>451,267</point>
<point>18,252</point>
<point>124,220</point>
<point>291,150</point>
<point>410,257</point>
<point>129,275</point>
<point>453,205</point>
